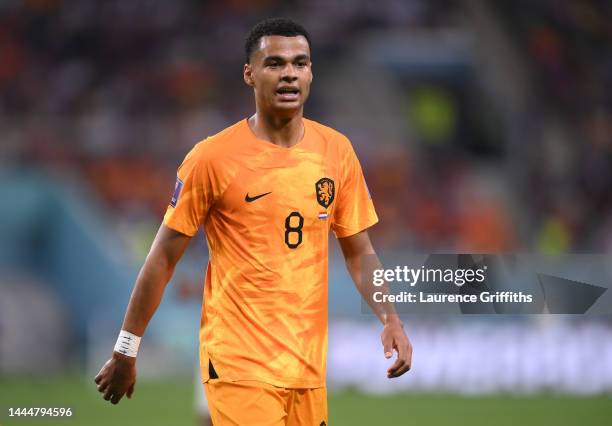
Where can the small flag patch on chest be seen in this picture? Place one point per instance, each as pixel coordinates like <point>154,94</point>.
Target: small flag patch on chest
<point>177,192</point>
<point>323,215</point>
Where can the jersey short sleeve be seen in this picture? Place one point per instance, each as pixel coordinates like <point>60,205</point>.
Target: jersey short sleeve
<point>354,210</point>
<point>193,194</point>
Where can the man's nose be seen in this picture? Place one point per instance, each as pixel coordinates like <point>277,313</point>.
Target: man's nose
<point>289,73</point>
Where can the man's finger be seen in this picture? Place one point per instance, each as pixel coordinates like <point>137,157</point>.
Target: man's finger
<point>399,363</point>
<point>116,398</point>
<point>404,369</point>
<point>102,386</point>
<point>98,378</point>
<point>108,393</point>
<point>387,347</point>
<point>131,390</point>
<point>402,350</point>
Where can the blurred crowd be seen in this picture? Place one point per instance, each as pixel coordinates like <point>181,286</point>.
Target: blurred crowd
<point>116,92</point>
<point>568,45</point>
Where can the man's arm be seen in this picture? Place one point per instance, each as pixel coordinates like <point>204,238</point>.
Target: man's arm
<point>361,261</point>
<point>118,376</point>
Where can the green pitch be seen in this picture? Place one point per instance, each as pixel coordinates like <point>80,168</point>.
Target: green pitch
<point>170,402</point>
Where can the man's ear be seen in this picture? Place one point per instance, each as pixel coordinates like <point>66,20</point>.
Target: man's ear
<point>248,75</point>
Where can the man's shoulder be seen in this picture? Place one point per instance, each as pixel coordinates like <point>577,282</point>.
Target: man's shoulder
<point>226,134</point>
<point>329,134</point>
<point>216,145</point>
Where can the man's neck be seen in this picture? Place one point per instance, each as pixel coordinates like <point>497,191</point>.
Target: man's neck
<point>285,131</point>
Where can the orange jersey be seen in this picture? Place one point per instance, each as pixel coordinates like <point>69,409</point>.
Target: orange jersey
<point>266,211</point>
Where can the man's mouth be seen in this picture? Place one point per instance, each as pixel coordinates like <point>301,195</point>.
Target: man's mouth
<point>288,93</point>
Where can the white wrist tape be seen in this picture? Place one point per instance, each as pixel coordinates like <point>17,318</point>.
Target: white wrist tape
<point>127,344</point>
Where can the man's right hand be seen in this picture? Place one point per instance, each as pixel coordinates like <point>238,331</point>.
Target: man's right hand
<point>117,377</point>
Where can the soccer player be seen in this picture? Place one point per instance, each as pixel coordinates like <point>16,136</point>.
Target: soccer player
<point>267,190</point>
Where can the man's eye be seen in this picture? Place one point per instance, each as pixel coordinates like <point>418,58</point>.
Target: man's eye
<point>302,64</point>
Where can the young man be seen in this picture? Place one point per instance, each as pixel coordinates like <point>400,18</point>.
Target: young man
<point>267,190</point>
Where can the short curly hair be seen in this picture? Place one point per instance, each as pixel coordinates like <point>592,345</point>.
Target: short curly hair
<point>273,26</point>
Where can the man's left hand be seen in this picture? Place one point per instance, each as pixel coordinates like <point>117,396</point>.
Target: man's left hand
<point>394,337</point>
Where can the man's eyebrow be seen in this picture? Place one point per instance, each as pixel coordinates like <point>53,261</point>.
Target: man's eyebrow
<point>283,59</point>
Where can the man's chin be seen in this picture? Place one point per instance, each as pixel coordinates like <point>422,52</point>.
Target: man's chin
<point>288,108</point>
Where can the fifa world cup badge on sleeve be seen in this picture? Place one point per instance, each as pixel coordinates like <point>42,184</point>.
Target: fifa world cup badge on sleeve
<point>177,192</point>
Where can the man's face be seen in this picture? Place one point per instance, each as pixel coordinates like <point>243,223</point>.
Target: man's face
<point>280,72</point>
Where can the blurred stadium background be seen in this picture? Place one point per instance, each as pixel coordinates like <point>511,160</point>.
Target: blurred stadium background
<point>482,127</point>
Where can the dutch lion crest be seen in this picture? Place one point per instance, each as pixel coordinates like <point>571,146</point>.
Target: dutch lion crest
<point>326,190</point>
